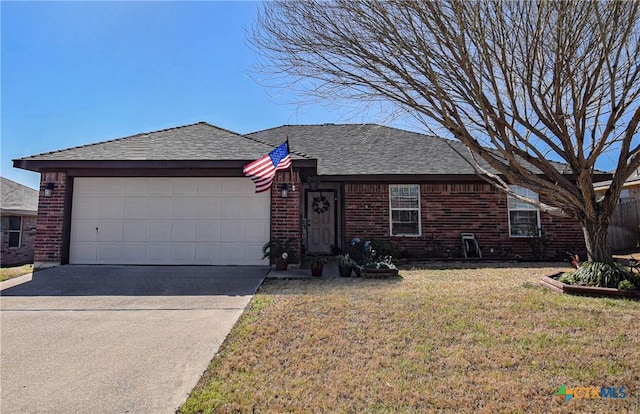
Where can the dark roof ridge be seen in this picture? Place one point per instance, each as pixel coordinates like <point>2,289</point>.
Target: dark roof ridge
<point>356,124</point>
<point>266,143</point>
<point>128,137</point>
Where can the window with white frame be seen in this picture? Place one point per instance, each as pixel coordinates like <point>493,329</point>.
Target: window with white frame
<point>524,218</point>
<point>14,230</point>
<point>404,200</point>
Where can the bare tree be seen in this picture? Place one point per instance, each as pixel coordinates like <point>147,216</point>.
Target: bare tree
<point>518,82</point>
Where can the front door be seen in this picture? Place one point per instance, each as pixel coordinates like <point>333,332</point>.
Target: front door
<point>321,221</point>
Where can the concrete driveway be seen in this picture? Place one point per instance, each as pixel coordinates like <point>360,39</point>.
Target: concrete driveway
<point>115,339</point>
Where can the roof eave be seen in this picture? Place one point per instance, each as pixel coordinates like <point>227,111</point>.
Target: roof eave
<point>62,165</point>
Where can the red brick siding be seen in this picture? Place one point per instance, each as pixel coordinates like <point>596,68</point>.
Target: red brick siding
<point>24,253</point>
<point>448,210</point>
<point>49,237</point>
<point>286,212</point>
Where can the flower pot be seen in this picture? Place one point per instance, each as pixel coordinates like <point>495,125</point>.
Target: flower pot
<point>281,264</point>
<point>316,271</point>
<point>345,271</point>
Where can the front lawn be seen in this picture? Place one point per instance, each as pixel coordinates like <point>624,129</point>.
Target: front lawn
<point>7,273</point>
<point>453,340</point>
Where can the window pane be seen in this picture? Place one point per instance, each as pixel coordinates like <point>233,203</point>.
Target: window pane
<point>523,223</point>
<point>14,239</point>
<point>404,222</point>
<point>404,196</point>
<point>515,204</point>
<point>14,223</point>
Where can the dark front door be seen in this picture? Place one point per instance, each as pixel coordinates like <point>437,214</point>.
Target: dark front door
<point>321,221</point>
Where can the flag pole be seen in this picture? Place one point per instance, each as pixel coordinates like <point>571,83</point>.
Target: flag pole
<point>293,187</point>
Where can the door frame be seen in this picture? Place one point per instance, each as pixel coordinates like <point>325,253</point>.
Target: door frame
<point>334,211</point>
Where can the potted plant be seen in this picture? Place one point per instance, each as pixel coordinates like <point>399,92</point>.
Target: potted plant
<point>317,264</point>
<point>345,265</point>
<point>279,252</point>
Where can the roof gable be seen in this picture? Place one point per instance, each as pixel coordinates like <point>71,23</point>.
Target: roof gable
<point>18,199</point>
<point>200,141</point>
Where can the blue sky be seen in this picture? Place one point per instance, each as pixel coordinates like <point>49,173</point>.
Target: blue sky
<point>75,73</point>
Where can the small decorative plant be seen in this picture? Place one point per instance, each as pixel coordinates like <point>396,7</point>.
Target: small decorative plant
<point>317,263</point>
<point>280,252</point>
<point>346,265</point>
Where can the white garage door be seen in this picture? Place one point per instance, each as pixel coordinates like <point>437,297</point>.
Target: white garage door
<point>150,220</point>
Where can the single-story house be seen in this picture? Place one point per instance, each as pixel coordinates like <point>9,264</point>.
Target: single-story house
<point>18,212</point>
<point>178,196</point>
<point>630,189</point>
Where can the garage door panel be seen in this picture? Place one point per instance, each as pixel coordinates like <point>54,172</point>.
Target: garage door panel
<point>151,220</point>
<point>208,209</point>
<point>184,207</point>
<point>87,209</point>
<point>208,187</point>
<point>109,230</point>
<point>83,252</point>
<point>159,208</point>
<point>233,208</point>
<point>207,253</point>
<point>135,208</point>
<point>158,231</point>
<point>183,253</point>
<point>185,188</point>
<point>232,231</point>
<point>84,230</point>
<point>111,207</point>
<point>235,253</point>
<point>108,253</point>
<point>183,231</point>
<point>133,252</point>
<point>160,186</point>
<point>135,231</point>
<point>206,232</point>
<point>159,253</point>
<point>255,208</point>
<point>135,186</point>
<point>256,230</point>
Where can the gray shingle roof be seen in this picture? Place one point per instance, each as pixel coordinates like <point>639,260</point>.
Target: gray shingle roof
<point>340,149</point>
<point>18,198</point>
<point>200,141</point>
<point>369,149</point>
<point>634,179</point>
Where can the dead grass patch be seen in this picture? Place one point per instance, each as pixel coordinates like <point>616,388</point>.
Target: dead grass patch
<point>7,273</point>
<point>437,340</point>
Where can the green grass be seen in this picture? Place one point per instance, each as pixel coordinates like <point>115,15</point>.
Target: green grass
<point>448,340</point>
<point>7,273</point>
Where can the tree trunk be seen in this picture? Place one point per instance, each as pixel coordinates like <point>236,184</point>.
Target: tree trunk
<point>597,241</point>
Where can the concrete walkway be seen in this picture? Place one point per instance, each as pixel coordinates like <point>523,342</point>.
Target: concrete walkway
<point>330,270</point>
<point>115,339</point>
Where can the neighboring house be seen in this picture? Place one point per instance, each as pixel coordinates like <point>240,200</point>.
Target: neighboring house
<point>178,196</point>
<point>19,211</point>
<point>630,189</point>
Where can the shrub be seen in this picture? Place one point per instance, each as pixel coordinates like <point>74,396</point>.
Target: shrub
<point>539,243</point>
<point>602,275</point>
<point>567,278</point>
<point>385,248</point>
<point>626,285</point>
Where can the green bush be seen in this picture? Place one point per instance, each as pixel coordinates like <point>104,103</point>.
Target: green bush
<point>626,285</point>
<point>602,275</point>
<point>567,278</point>
<point>385,248</point>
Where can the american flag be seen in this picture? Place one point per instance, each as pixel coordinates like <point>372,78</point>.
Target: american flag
<point>262,170</point>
